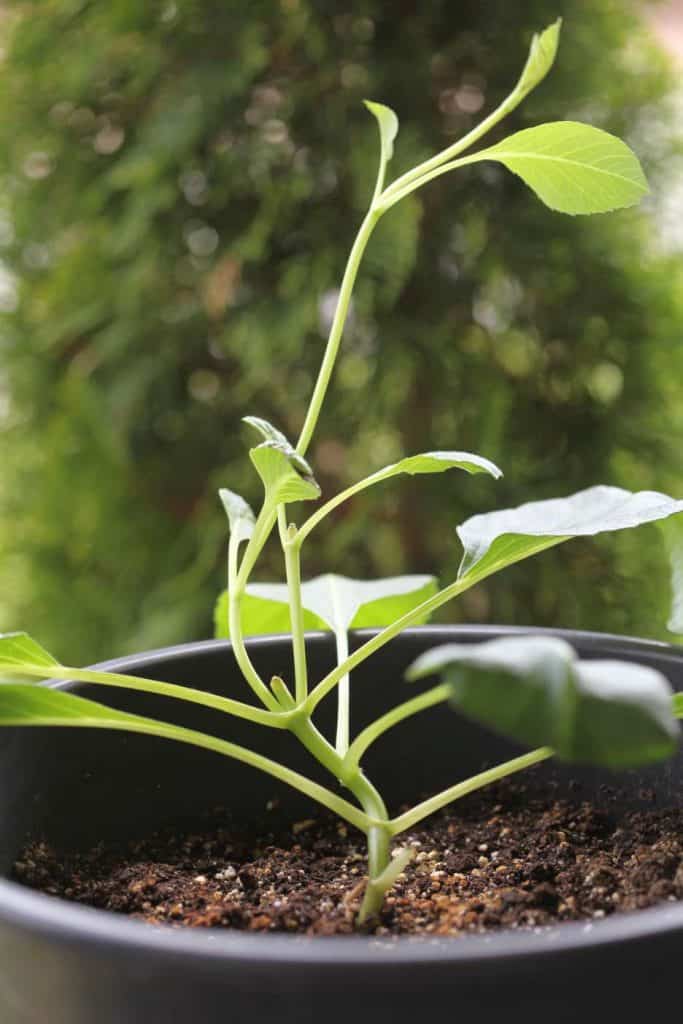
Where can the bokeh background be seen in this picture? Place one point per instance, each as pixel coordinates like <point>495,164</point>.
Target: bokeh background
<point>179,186</point>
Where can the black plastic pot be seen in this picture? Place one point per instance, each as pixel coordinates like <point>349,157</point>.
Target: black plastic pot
<point>63,964</point>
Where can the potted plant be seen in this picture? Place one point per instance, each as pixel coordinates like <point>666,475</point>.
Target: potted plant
<point>575,698</point>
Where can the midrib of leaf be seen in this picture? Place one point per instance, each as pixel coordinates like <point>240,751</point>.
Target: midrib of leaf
<point>523,155</point>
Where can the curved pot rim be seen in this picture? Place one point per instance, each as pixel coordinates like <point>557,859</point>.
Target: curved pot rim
<point>71,924</point>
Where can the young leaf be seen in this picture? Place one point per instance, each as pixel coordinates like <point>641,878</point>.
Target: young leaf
<point>427,462</point>
<point>277,439</point>
<point>260,616</point>
<point>435,462</point>
<point>541,58</point>
<point>573,168</point>
<point>497,539</point>
<point>388,130</point>
<point>281,474</point>
<point>19,650</point>
<point>536,691</point>
<point>240,515</point>
<point>267,431</point>
<point>286,476</point>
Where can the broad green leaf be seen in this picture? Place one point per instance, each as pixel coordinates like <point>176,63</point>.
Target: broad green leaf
<point>435,462</point>
<point>33,704</point>
<point>541,58</point>
<point>342,603</point>
<point>240,515</point>
<point>497,539</point>
<point>574,168</point>
<point>282,479</point>
<point>536,691</point>
<point>19,650</point>
<point>673,536</point>
<point>388,129</point>
<point>261,616</point>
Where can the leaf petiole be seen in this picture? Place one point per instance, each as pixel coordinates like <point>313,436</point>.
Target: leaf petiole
<point>437,695</point>
<point>447,796</point>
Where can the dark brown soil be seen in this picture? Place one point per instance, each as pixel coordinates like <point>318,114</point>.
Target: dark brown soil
<point>505,859</point>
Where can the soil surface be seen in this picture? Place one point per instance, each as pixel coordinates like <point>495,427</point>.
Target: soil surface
<point>501,859</point>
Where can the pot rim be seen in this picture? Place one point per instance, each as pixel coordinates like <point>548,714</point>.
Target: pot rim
<point>113,934</point>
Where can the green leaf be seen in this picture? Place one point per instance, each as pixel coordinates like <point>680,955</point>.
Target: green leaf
<point>536,691</point>
<point>240,515</point>
<point>19,650</point>
<point>267,431</point>
<point>427,462</point>
<point>541,58</point>
<point>282,481</point>
<point>435,462</point>
<point>260,616</point>
<point>278,440</point>
<point>497,539</point>
<point>286,476</point>
<point>388,129</point>
<point>341,603</point>
<point>33,704</point>
<point>573,168</point>
<point>677,704</point>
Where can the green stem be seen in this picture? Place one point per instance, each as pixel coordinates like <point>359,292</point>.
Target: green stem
<point>343,696</point>
<point>423,170</point>
<point>337,328</point>
<point>276,720</point>
<point>323,796</point>
<point>447,796</point>
<point>334,502</point>
<point>296,612</point>
<point>262,530</point>
<point>376,729</point>
<point>384,636</point>
<point>235,592</point>
<point>379,884</point>
<point>387,201</point>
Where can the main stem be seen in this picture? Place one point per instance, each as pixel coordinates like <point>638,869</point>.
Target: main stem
<point>337,328</point>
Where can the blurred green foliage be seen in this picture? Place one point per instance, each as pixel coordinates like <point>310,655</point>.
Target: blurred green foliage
<point>179,186</point>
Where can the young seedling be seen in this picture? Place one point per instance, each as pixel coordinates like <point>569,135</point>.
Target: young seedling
<point>531,689</point>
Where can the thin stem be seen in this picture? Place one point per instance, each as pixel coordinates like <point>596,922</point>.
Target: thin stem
<point>447,796</point>
<point>424,169</point>
<point>276,720</point>
<point>296,612</point>
<point>343,696</point>
<point>235,592</point>
<point>333,502</point>
<point>320,794</point>
<point>387,201</point>
<point>337,328</point>
<point>376,729</point>
<point>384,636</point>
<point>262,529</point>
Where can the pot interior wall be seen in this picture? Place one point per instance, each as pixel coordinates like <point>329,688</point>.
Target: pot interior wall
<point>73,787</point>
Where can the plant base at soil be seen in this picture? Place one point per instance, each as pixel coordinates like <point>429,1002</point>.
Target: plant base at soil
<point>507,858</point>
